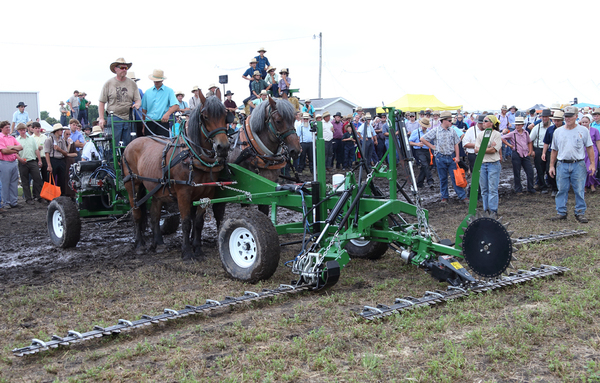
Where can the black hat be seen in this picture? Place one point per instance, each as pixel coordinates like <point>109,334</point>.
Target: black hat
<point>532,110</point>
<point>480,118</point>
<point>21,103</point>
<point>338,114</point>
<point>228,93</point>
<point>546,113</point>
<point>422,112</point>
<point>87,127</point>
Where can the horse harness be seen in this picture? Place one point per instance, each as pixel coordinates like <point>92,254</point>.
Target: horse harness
<point>185,157</point>
<point>257,153</point>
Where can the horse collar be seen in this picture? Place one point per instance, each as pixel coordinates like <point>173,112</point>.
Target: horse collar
<point>252,139</point>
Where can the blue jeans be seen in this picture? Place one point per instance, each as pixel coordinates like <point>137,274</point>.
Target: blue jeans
<point>570,175</point>
<point>122,130</point>
<point>489,177</point>
<point>83,117</point>
<point>445,164</point>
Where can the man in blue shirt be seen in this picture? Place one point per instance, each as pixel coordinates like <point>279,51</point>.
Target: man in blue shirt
<point>159,103</point>
<point>77,137</point>
<point>20,115</point>
<point>368,140</point>
<point>558,120</point>
<point>308,108</point>
<point>249,75</point>
<point>262,62</point>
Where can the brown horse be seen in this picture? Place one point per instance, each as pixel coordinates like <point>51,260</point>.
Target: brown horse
<point>266,143</point>
<point>174,169</point>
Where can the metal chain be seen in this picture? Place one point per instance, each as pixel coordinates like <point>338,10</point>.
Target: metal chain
<point>120,219</point>
<point>246,193</point>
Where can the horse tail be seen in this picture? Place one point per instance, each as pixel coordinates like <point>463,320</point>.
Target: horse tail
<point>141,192</point>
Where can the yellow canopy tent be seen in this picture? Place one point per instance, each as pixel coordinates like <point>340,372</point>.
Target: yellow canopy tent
<point>418,102</point>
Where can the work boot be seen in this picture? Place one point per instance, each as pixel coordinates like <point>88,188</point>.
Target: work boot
<point>545,191</point>
<point>553,194</point>
<point>559,217</point>
<point>581,218</point>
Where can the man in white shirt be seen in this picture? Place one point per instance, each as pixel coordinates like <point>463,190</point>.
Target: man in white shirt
<point>470,138</point>
<point>328,138</point>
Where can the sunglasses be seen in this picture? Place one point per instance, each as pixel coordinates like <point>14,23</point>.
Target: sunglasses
<point>123,67</point>
<point>486,120</point>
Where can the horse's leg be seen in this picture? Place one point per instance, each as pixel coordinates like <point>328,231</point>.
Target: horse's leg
<point>198,226</point>
<point>219,213</point>
<point>139,215</point>
<point>185,204</point>
<point>157,240</point>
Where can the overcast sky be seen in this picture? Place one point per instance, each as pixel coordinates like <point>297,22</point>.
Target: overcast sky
<point>478,54</point>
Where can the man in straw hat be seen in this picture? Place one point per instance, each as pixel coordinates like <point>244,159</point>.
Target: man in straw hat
<point>249,74</point>
<point>272,80</point>
<point>284,83</point>
<point>212,90</point>
<point>422,152</point>
<point>118,96</point>
<point>569,146</point>
<point>55,150</point>
<point>368,139</point>
<point>9,170</point>
<point>558,121</point>
<point>522,149</point>
<point>262,62</point>
<point>446,155</point>
<point>183,106</point>
<point>159,103</point>
<point>195,99</point>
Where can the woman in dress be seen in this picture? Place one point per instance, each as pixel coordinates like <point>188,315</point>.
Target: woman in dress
<point>489,176</point>
<point>591,182</point>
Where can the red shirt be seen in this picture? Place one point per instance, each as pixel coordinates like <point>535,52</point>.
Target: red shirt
<point>6,141</point>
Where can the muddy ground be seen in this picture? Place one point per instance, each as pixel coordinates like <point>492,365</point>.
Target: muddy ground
<point>310,337</point>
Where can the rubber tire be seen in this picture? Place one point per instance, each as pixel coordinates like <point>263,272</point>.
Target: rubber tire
<point>169,225</point>
<point>71,222</point>
<point>371,250</point>
<point>266,241</point>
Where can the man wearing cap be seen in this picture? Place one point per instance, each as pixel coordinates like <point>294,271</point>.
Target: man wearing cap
<point>520,143</point>
<point>446,155</point>
<point>306,138</point>
<point>422,153</point>
<point>262,62</point>
<point>249,75</point>
<point>90,152</point>
<point>9,170</point>
<point>538,132</point>
<point>308,108</point>
<point>530,120</point>
<point>118,96</point>
<point>262,97</point>
<point>158,104</point>
<point>29,165</point>
<point>557,120</point>
<point>338,133</point>
<point>19,116</point>
<point>412,123</point>
<point>73,103</point>
<point>569,145</point>
<point>368,140</point>
<point>421,115</point>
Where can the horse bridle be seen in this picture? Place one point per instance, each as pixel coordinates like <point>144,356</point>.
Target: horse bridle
<point>280,135</point>
<point>210,135</point>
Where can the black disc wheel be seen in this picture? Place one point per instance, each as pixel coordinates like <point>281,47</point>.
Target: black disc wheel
<point>64,223</point>
<point>359,248</point>
<point>169,220</point>
<point>487,247</point>
<point>249,246</point>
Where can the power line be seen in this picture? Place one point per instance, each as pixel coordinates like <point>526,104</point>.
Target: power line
<point>150,47</point>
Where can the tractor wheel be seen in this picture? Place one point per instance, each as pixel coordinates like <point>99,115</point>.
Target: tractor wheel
<point>64,223</point>
<point>358,248</point>
<point>169,225</point>
<point>249,246</point>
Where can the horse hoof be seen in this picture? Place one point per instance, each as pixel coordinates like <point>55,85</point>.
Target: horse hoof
<point>160,248</point>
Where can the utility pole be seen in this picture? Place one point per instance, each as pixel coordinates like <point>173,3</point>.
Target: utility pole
<point>320,59</point>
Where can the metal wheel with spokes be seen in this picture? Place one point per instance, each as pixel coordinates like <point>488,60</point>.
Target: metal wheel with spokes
<point>249,246</point>
<point>361,248</point>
